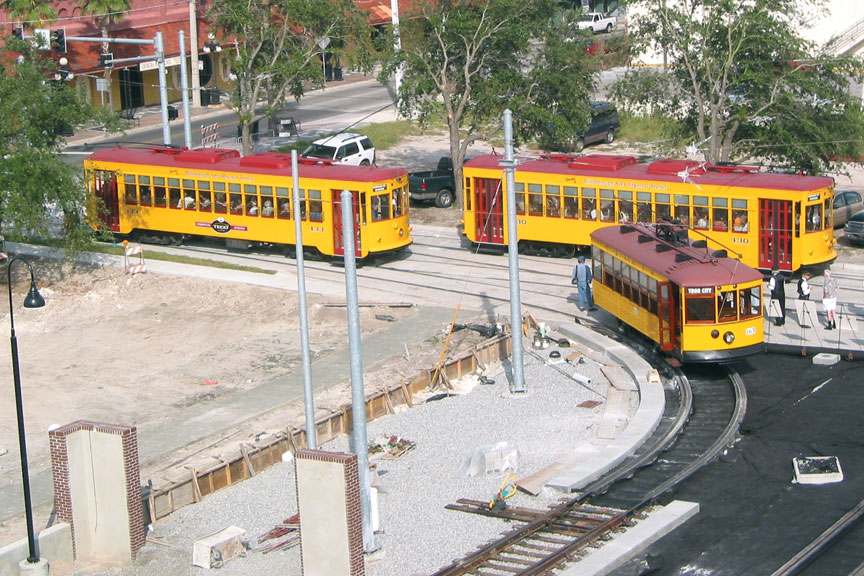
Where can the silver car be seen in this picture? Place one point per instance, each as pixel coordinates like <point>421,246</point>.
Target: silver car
<point>845,205</point>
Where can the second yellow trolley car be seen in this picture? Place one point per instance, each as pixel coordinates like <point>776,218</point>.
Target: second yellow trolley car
<point>163,195</point>
<point>782,220</point>
<point>696,304</point>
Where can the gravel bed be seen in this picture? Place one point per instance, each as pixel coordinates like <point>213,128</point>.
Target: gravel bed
<point>417,535</point>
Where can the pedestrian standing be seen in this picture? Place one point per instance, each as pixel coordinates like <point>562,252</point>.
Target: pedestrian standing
<point>804,286</point>
<point>829,299</point>
<point>777,287</point>
<point>582,278</point>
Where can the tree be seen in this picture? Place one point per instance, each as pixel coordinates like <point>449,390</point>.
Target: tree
<point>105,13</point>
<point>743,83</point>
<point>29,10</point>
<point>469,60</point>
<point>277,50</point>
<point>34,180</point>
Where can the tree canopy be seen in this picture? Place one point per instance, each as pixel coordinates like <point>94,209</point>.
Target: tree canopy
<point>466,61</point>
<point>278,45</point>
<point>34,181</point>
<point>742,83</point>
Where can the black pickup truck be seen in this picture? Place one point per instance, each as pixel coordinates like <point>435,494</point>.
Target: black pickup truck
<point>437,185</point>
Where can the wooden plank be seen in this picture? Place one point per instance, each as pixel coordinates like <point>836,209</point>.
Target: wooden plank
<point>619,378</point>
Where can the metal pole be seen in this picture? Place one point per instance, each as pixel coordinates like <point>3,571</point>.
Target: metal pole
<point>163,88</point>
<point>359,442</point>
<point>184,88</point>
<point>397,46</point>
<point>513,259</point>
<point>193,53</point>
<point>34,300</point>
<point>309,399</point>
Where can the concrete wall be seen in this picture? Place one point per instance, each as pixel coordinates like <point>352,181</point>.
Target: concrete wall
<point>54,543</point>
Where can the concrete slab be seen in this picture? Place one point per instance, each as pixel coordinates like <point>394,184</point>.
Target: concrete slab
<point>630,543</point>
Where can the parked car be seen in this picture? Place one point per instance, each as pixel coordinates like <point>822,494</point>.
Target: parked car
<point>437,185</point>
<point>597,22</point>
<point>845,205</point>
<point>854,229</point>
<point>604,127</point>
<point>345,148</point>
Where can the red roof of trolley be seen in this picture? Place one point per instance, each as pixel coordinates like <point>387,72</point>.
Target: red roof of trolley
<point>619,169</point>
<point>218,160</point>
<point>640,242</point>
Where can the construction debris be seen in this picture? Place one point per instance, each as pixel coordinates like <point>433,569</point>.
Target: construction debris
<point>390,447</point>
<point>284,535</point>
<point>219,547</point>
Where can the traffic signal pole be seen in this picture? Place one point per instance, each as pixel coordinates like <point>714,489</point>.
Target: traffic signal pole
<point>159,56</point>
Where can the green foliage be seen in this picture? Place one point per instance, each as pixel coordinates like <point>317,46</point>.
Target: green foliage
<point>278,54</point>
<point>34,181</point>
<point>743,84</point>
<point>29,10</point>
<point>465,61</point>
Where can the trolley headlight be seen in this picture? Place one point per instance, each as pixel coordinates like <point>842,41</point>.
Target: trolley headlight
<point>715,333</point>
<point>401,232</point>
<point>728,337</point>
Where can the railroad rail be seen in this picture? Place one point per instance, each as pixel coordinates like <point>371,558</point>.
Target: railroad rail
<point>687,438</point>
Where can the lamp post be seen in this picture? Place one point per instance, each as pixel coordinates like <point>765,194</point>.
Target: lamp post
<point>33,300</point>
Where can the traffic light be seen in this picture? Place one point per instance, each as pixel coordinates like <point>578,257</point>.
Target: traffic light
<point>58,40</point>
<point>18,33</point>
<point>106,60</point>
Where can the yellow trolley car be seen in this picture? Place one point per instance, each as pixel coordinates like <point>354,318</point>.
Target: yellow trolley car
<point>165,194</point>
<point>695,303</point>
<point>768,219</point>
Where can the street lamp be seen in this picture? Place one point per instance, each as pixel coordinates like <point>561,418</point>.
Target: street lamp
<point>212,45</point>
<point>33,300</point>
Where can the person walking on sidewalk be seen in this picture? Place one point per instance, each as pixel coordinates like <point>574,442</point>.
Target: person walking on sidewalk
<point>804,287</point>
<point>829,299</point>
<point>777,287</point>
<point>582,278</point>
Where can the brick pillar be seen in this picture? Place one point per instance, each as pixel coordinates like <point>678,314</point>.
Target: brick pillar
<point>331,518</point>
<point>75,477</point>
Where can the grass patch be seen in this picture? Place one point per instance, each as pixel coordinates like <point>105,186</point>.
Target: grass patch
<point>117,250</point>
<point>653,128</point>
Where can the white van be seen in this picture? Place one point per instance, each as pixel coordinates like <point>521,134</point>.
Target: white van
<point>346,148</point>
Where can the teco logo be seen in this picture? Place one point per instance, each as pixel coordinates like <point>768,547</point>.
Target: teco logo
<point>220,226</point>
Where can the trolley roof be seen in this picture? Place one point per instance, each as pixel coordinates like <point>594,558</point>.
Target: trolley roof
<point>618,169</point>
<point>681,263</point>
<point>218,160</point>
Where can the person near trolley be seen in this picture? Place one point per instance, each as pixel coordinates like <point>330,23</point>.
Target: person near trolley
<point>804,286</point>
<point>777,287</point>
<point>582,278</point>
<point>829,299</point>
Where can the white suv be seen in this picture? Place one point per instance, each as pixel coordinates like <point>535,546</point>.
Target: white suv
<point>346,148</point>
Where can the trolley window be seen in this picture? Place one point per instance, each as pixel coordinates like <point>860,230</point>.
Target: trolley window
<point>700,212</point>
<point>571,202</point>
<point>699,306</point>
<point>814,218</point>
<point>750,301</point>
<point>643,207</point>
<point>829,215</point>
<point>159,191</point>
<point>284,202</point>
<point>553,201</point>
<point>221,200</point>
<point>625,206</point>
<point>682,209</point>
<point>589,203</point>
<point>726,310</point>
<point>607,205</point>
<point>662,209</point>
<point>146,196</point>
<point>720,214</point>
<point>520,198</point>
<point>535,200</point>
<point>188,194</point>
<point>380,207</point>
<point>267,208</point>
<point>739,216</point>
<point>316,209</point>
<point>131,189</point>
<point>250,194</point>
<point>174,198</point>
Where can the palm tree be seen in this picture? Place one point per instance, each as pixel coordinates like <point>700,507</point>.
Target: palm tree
<point>105,13</point>
<point>32,11</point>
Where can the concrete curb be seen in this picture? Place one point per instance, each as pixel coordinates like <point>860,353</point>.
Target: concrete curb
<point>597,457</point>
